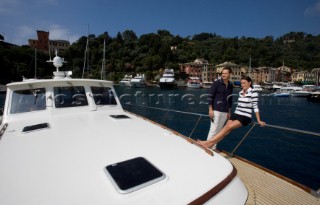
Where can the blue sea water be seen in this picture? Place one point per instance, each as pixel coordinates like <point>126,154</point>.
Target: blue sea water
<point>296,156</point>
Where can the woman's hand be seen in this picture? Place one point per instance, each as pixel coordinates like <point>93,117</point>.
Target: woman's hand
<point>261,123</point>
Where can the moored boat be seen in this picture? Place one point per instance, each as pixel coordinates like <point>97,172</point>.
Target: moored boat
<point>126,80</point>
<point>167,80</point>
<point>314,96</point>
<point>206,84</point>
<point>194,82</point>
<point>300,93</point>
<point>257,88</point>
<point>68,141</point>
<point>138,81</point>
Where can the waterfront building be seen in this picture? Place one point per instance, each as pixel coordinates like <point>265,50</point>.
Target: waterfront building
<point>316,76</point>
<point>43,43</point>
<point>299,76</point>
<point>237,72</point>
<point>284,74</point>
<point>262,75</point>
<point>200,68</point>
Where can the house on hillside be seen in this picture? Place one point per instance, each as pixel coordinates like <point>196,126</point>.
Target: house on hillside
<point>200,68</point>
<point>43,43</point>
<point>237,72</point>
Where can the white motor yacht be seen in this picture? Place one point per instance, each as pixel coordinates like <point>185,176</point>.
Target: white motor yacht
<point>68,141</point>
<point>194,82</point>
<point>126,81</point>
<point>257,88</point>
<point>206,84</point>
<point>167,79</point>
<point>138,81</point>
<point>300,93</point>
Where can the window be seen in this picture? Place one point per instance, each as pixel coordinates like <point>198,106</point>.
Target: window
<point>103,96</point>
<point>73,96</point>
<point>28,100</point>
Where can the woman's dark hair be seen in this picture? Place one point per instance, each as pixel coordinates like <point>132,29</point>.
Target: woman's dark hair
<point>247,78</point>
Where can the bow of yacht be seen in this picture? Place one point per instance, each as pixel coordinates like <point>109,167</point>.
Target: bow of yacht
<point>68,141</point>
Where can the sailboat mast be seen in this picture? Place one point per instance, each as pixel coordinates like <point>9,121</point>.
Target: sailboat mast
<point>104,60</point>
<point>86,56</point>
<point>35,63</point>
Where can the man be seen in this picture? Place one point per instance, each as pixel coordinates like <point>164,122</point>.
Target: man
<point>220,103</point>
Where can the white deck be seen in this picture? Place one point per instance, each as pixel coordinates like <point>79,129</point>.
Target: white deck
<point>64,163</point>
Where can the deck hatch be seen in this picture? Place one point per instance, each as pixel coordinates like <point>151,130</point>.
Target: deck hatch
<point>120,117</point>
<point>133,174</point>
<point>35,127</point>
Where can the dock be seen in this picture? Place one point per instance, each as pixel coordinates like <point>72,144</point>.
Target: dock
<point>266,187</point>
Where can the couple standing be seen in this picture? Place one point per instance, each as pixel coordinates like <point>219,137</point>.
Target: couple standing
<point>220,104</point>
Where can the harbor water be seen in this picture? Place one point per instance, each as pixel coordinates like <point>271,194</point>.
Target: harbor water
<point>296,156</point>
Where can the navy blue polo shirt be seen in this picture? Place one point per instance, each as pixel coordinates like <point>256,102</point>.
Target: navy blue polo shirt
<point>221,96</point>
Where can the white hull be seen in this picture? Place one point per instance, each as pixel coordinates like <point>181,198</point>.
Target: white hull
<point>207,84</point>
<point>125,83</point>
<point>194,82</point>
<point>197,85</point>
<point>138,84</point>
<point>64,163</point>
<point>59,137</point>
<point>167,80</point>
<point>138,81</point>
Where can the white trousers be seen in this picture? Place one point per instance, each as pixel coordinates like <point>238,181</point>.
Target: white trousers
<point>219,120</point>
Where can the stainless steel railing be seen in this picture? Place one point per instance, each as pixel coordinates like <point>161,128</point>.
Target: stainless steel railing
<point>276,127</point>
<point>231,154</point>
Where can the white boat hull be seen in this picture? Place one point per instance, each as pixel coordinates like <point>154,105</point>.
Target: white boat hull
<point>125,83</point>
<point>64,163</point>
<point>194,85</point>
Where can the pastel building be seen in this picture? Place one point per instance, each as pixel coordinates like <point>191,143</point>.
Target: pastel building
<point>199,68</point>
<point>43,43</point>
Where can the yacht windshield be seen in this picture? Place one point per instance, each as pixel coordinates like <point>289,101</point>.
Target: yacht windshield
<point>73,96</point>
<point>103,96</point>
<point>28,100</point>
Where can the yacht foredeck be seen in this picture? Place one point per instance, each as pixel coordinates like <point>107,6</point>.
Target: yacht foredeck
<point>267,188</point>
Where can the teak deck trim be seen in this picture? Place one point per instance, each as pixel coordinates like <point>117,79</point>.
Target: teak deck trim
<point>265,188</point>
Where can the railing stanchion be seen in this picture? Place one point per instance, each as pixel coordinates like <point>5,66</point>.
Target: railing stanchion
<point>243,138</point>
<point>195,126</point>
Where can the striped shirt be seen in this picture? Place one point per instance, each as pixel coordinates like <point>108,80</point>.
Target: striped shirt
<point>247,103</point>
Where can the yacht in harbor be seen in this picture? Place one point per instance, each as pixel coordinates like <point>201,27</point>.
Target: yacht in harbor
<point>167,80</point>
<point>138,81</point>
<point>206,84</point>
<point>314,96</point>
<point>194,82</point>
<point>126,81</point>
<point>257,88</point>
<point>69,141</point>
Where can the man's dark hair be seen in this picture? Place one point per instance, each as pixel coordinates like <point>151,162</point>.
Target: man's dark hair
<point>228,69</point>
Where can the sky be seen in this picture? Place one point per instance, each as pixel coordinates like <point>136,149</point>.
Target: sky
<point>70,20</point>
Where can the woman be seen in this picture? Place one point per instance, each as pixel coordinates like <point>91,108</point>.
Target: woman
<point>247,101</point>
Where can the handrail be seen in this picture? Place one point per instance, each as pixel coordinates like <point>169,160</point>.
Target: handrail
<point>292,130</point>
<point>276,127</point>
<point>169,110</point>
<point>313,192</point>
<point>203,115</point>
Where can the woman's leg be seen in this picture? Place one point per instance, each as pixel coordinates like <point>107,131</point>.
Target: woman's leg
<point>231,125</point>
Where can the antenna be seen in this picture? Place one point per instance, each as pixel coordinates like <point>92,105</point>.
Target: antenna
<point>49,46</point>
<point>104,59</point>
<point>86,55</point>
<point>35,63</point>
